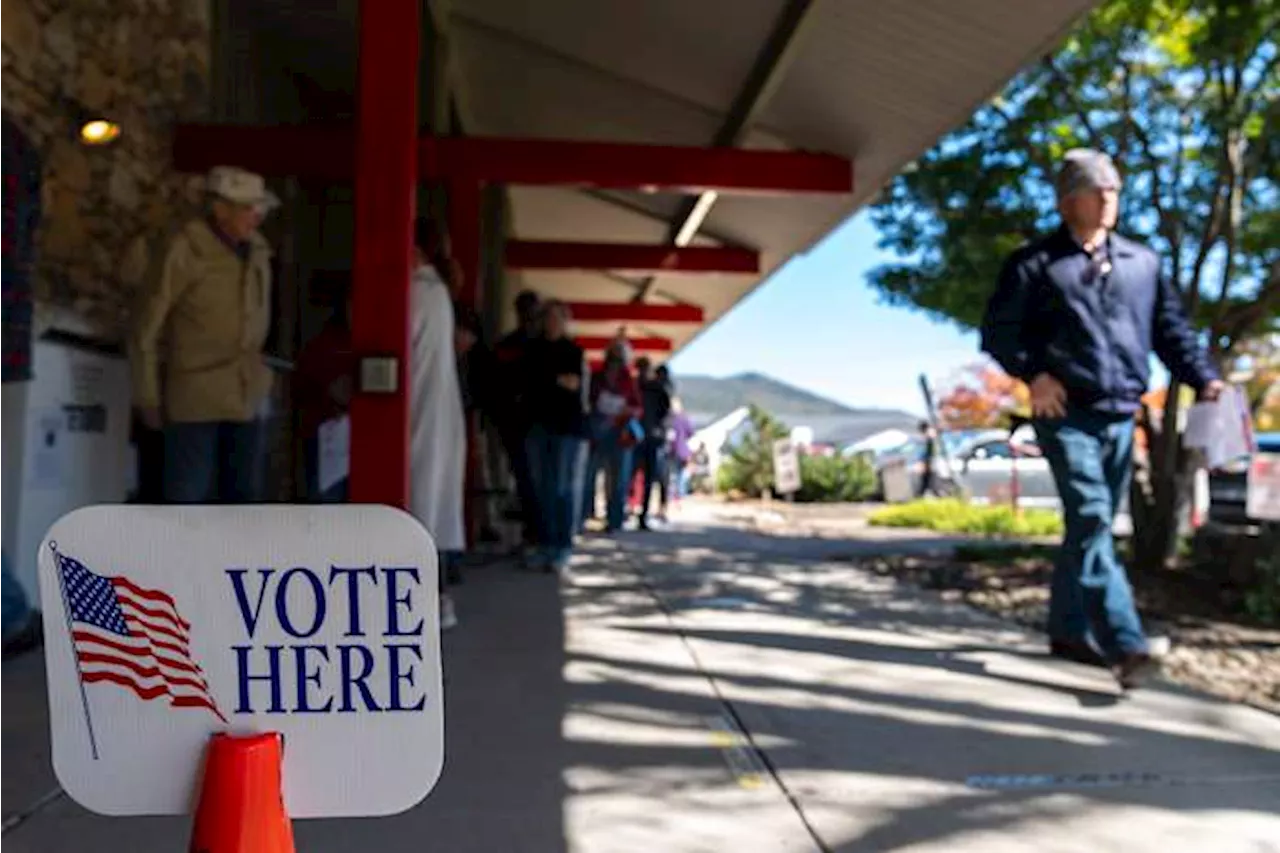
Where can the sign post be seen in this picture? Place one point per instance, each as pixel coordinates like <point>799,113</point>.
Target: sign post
<point>318,624</point>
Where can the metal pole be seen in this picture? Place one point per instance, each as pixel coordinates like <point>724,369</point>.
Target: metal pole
<point>386,177</point>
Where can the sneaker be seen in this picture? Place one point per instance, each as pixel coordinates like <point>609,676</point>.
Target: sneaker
<point>448,613</point>
<point>1159,647</point>
<point>1136,670</point>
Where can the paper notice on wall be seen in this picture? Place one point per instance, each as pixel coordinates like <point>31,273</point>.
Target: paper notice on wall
<point>1222,429</point>
<point>48,452</point>
<point>335,452</point>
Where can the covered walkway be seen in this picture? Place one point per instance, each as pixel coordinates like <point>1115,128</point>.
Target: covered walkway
<point>712,689</point>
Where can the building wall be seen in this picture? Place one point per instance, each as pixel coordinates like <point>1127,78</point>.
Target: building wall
<point>146,65</point>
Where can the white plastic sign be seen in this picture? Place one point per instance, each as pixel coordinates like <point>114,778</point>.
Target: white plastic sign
<point>164,625</point>
<point>1263,498</point>
<point>786,467</point>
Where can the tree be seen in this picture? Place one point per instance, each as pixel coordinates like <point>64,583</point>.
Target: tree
<point>1185,95</point>
<point>982,397</point>
<point>748,466</point>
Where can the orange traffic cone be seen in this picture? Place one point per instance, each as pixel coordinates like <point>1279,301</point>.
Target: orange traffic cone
<point>241,808</point>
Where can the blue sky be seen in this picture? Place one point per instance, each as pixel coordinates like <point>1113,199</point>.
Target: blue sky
<point>818,325</point>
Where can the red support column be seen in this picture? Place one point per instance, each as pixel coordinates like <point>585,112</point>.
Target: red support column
<point>464,237</point>
<point>386,172</point>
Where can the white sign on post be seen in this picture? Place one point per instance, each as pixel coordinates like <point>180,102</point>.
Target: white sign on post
<point>165,625</point>
<point>786,467</point>
<point>1263,498</point>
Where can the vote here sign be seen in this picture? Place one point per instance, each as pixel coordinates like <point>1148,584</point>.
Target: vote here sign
<point>164,625</point>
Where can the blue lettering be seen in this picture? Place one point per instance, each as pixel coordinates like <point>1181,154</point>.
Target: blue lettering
<point>282,597</point>
<point>353,595</point>
<point>242,598</point>
<point>407,675</point>
<point>242,670</point>
<point>393,614</point>
<point>350,679</point>
<point>304,678</point>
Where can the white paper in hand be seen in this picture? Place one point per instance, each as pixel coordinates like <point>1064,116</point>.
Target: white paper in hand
<point>1221,429</point>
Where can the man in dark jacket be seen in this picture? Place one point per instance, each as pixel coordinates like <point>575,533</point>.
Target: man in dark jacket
<point>1076,315</point>
<point>655,393</point>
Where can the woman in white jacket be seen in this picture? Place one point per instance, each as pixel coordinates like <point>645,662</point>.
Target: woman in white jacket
<point>437,427</point>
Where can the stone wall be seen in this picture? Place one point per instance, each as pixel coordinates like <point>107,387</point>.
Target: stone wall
<point>146,65</point>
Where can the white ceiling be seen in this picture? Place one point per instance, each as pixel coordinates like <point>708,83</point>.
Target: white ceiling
<point>875,80</point>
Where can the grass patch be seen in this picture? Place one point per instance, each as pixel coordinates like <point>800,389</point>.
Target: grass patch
<point>956,516</point>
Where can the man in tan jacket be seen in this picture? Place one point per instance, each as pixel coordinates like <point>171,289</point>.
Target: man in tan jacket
<point>196,349</point>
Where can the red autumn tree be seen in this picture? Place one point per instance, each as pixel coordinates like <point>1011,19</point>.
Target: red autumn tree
<point>981,396</point>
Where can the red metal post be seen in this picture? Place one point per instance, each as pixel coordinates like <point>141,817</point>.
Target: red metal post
<point>386,169</point>
<point>464,237</point>
<point>630,257</point>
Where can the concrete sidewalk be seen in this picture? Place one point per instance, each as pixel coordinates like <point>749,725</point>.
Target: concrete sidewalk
<point>712,689</point>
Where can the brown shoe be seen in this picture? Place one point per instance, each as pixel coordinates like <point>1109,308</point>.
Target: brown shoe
<point>1136,670</point>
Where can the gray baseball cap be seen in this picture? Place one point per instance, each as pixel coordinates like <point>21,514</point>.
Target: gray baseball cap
<point>1086,169</point>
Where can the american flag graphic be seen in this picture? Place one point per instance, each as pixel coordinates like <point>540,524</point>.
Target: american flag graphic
<point>128,635</point>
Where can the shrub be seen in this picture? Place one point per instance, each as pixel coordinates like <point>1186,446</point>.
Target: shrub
<point>835,479</point>
<point>747,468</point>
<point>956,516</point>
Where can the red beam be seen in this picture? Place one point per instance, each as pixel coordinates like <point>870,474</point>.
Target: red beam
<point>598,344</point>
<point>387,110</point>
<point>558,162</point>
<point>634,312</point>
<point>325,152</point>
<point>630,257</point>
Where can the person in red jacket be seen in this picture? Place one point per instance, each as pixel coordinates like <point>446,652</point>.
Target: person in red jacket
<point>614,430</point>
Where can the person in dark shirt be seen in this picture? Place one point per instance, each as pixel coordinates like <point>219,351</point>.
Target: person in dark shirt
<point>1076,315</point>
<point>655,394</point>
<point>556,446</point>
<point>507,401</point>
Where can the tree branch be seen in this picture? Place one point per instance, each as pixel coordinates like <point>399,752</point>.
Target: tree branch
<point>1066,88</point>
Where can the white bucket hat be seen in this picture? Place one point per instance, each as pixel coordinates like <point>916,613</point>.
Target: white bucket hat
<point>242,187</point>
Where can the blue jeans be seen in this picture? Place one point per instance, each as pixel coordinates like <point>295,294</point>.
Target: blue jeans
<point>608,454</point>
<point>1091,602</point>
<point>555,465</point>
<point>16,608</point>
<point>215,462</point>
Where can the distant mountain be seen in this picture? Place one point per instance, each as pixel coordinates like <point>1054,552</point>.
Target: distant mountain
<point>708,398</point>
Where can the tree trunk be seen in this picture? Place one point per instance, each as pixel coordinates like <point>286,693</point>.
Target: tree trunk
<point>1158,492</point>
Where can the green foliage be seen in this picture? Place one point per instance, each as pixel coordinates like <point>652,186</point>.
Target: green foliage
<point>956,516</point>
<point>1184,94</point>
<point>1262,601</point>
<point>835,479</point>
<point>747,469</point>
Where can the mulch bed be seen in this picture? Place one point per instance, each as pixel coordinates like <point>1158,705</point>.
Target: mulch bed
<point>1217,648</point>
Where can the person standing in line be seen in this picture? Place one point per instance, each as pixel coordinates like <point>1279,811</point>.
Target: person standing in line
<point>681,432</point>
<point>1076,316</point>
<point>614,430</point>
<point>196,347</point>
<point>509,407</point>
<point>437,428</point>
<point>655,397</point>
<point>21,621</point>
<point>557,434</point>
<point>323,380</point>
